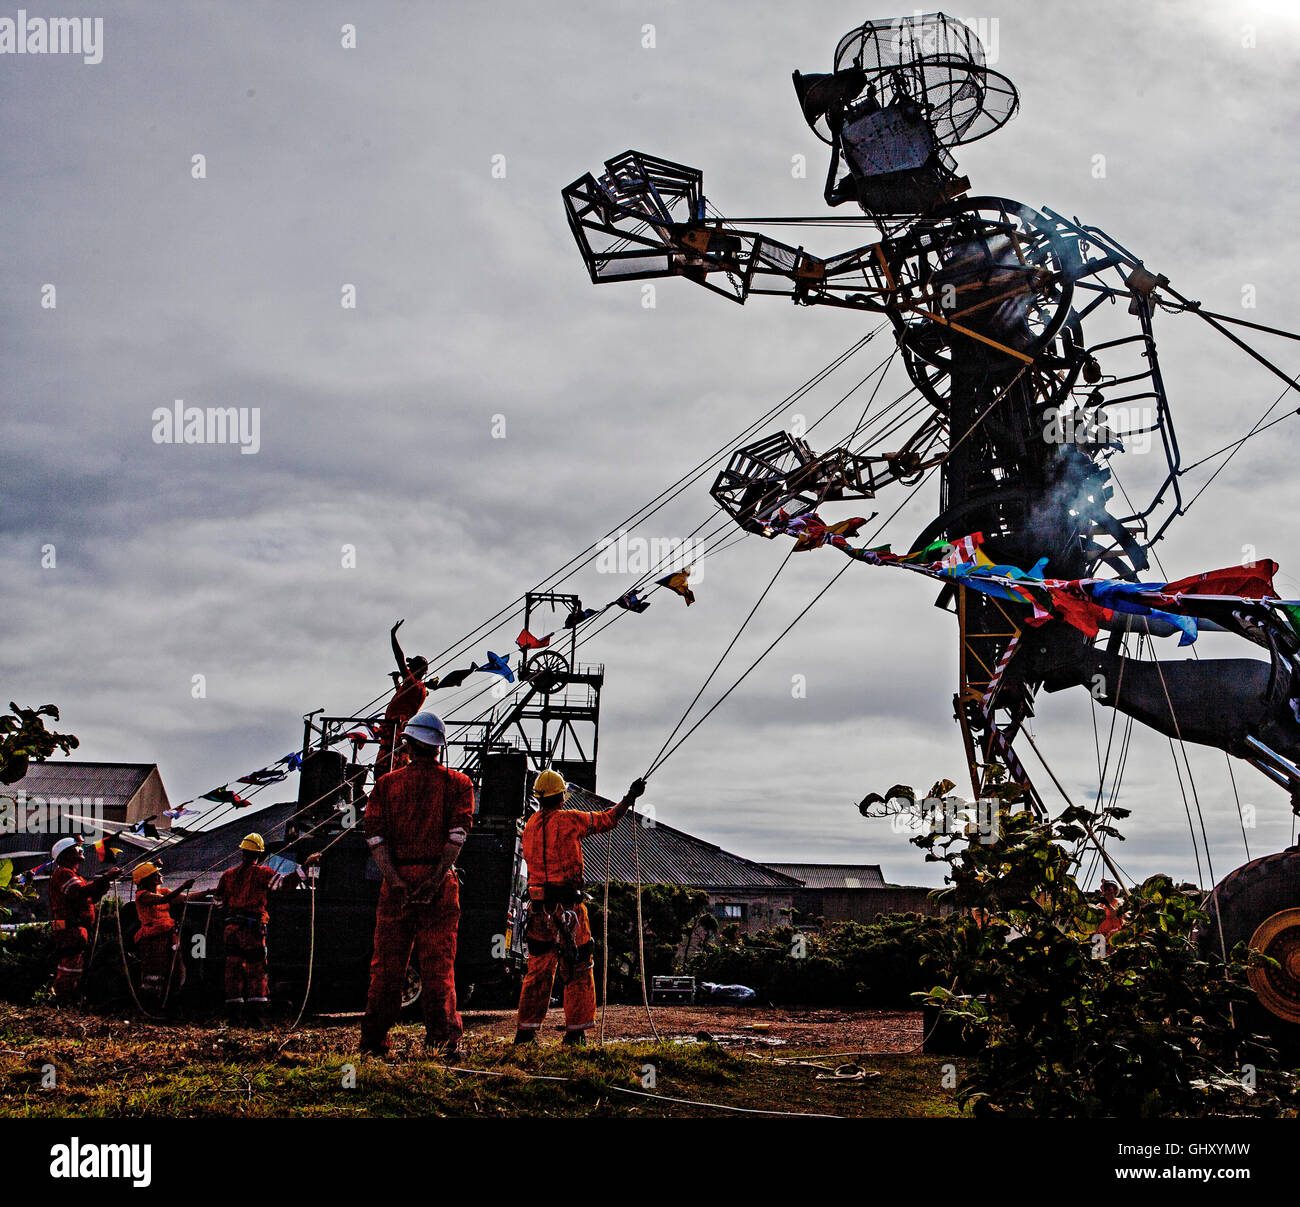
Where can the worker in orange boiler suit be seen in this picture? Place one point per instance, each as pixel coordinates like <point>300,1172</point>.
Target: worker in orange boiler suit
<point>161,968</point>
<point>242,891</point>
<point>72,902</point>
<point>417,820</point>
<point>558,931</point>
<point>409,695</point>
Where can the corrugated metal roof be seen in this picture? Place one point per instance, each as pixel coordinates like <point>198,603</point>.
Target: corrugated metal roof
<point>116,783</point>
<point>667,855</point>
<point>834,875</point>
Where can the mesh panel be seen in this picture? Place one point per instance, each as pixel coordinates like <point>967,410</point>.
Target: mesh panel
<point>938,61</point>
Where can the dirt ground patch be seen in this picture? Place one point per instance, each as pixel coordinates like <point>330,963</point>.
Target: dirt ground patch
<point>814,1031</point>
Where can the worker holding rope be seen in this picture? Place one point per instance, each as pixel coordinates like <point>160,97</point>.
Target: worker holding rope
<point>558,931</point>
<point>161,971</point>
<point>243,891</point>
<point>417,820</point>
<point>72,902</point>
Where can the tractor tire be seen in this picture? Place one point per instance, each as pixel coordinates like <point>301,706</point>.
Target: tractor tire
<point>1259,904</point>
<point>412,989</point>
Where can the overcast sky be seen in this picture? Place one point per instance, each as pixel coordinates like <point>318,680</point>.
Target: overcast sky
<point>374,167</point>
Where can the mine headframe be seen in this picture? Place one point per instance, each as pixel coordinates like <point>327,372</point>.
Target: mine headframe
<point>554,721</point>
<point>901,94</point>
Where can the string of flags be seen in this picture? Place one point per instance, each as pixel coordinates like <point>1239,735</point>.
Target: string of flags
<point>630,601</point>
<point>1236,599</point>
<point>225,795</point>
<point>495,664</point>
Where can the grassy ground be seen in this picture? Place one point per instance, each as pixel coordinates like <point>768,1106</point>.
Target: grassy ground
<point>119,1068</point>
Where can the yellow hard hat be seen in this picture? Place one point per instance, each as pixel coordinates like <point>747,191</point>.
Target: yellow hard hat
<point>142,871</point>
<point>550,783</point>
<point>253,842</point>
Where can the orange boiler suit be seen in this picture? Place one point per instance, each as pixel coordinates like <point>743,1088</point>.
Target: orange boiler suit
<point>416,811</point>
<point>406,701</point>
<point>161,967</point>
<point>558,931</point>
<point>72,902</point>
<point>243,891</point>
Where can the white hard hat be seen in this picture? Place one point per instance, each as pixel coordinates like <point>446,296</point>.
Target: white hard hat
<point>64,844</point>
<point>427,729</point>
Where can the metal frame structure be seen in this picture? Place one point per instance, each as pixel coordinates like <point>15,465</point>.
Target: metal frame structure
<point>988,299</point>
<point>556,720</point>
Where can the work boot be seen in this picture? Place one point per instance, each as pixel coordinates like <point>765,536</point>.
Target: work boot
<point>575,1039</point>
<point>234,1015</point>
<point>374,1047</point>
<point>255,1016</point>
<point>525,1037</point>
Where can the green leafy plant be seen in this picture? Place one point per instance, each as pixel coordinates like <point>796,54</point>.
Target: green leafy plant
<point>671,916</point>
<point>845,964</point>
<point>24,739</point>
<point>1070,1023</point>
<point>26,959</point>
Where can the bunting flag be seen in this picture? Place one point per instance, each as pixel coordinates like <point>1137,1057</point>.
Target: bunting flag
<point>1126,598</point>
<point>846,527</point>
<point>1238,599</point>
<point>632,601</point>
<point>497,665</point>
<point>268,775</point>
<point>456,678</point>
<point>526,641</point>
<point>105,852</point>
<point>776,523</point>
<point>963,552</point>
<point>874,557</point>
<point>146,828</point>
<point>293,761</point>
<point>224,796</point>
<point>677,583</point>
<point>1252,581</point>
<point>579,614</point>
<point>809,531</point>
<point>177,813</point>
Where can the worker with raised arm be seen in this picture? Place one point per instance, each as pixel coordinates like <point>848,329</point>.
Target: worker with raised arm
<point>558,932</point>
<point>417,820</point>
<point>408,695</point>
<point>161,968</point>
<point>72,902</point>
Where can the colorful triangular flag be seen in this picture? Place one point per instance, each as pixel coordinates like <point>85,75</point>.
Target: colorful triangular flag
<point>632,601</point>
<point>106,852</point>
<point>456,678</point>
<point>224,796</point>
<point>268,775</point>
<point>678,583</point>
<point>578,615</point>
